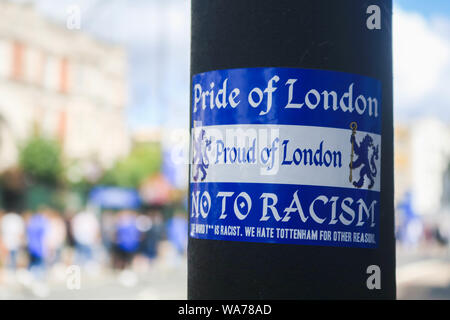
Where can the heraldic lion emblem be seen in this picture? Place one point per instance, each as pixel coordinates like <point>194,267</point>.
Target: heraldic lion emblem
<point>366,153</point>
<point>201,161</point>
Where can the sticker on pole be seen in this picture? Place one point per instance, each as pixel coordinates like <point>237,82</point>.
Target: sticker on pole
<point>284,155</point>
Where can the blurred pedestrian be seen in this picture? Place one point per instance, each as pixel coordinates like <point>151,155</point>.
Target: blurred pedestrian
<point>57,236</point>
<point>67,217</point>
<point>410,230</point>
<point>127,238</point>
<point>108,219</point>
<point>86,232</point>
<point>153,235</point>
<point>12,230</point>
<point>177,232</point>
<point>37,231</point>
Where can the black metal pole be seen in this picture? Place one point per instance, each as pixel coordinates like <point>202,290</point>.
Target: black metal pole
<point>350,39</point>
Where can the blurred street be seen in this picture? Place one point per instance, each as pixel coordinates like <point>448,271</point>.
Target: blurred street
<point>165,279</point>
<point>423,273</point>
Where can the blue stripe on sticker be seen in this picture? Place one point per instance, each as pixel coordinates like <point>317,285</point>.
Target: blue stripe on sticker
<point>286,96</point>
<point>295,214</point>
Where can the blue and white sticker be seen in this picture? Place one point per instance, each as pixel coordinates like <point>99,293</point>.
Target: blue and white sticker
<point>284,155</point>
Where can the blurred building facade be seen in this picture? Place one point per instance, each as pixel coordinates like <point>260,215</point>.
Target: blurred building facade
<point>422,164</point>
<point>63,82</point>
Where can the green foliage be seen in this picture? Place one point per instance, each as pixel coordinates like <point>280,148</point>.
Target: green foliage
<point>41,160</point>
<point>143,161</point>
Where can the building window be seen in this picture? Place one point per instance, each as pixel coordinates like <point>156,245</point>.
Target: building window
<point>17,61</point>
<point>64,76</point>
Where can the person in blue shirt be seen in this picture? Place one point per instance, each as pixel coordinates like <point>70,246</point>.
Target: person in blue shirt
<point>37,231</point>
<point>177,231</point>
<point>127,239</point>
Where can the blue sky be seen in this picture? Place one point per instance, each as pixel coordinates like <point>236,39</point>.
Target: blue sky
<point>428,8</point>
<point>421,35</point>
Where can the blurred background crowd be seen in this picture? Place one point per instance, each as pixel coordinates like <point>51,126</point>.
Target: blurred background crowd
<point>36,248</point>
<point>94,147</point>
<point>45,238</point>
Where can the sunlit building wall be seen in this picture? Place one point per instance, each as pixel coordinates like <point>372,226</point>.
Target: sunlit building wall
<point>62,82</point>
<point>431,157</point>
<point>422,159</point>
